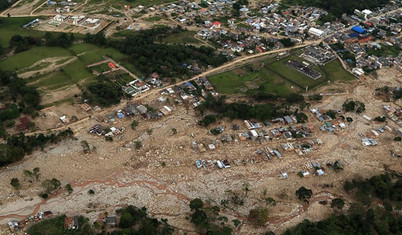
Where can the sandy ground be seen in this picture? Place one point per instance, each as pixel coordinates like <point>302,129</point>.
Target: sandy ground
<point>120,175</point>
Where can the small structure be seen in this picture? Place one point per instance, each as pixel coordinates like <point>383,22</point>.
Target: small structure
<point>111,220</point>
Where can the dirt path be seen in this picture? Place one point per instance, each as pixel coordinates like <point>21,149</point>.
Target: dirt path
<point>53,66</point>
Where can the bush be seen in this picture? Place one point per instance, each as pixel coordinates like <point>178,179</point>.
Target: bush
<point>304,194</point>
<point>196,204</point>
<point>15,182</point>
<point>91,192</point>
<point>397,138</point>
<point>258,216</point>
<point>207,120</point>
<point>69,188</point>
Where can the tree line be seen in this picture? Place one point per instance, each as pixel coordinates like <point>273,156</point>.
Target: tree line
<point>339,7</point>
<point>16,147</point>
<point>17,97</point>
<point>148,54</point>
<point>364,216</point>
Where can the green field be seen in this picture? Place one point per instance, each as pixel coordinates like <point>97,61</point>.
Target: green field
<point>332,71</point>
<point>12,26</point>
<point>52,81</point>
<point>153,19</point>
<point>278,78</point>
<point>232,82</point>
<point>76,71</point>
<point>28,58</point>
<point>94,56</point>
<point>83,47</point>
<point>185,37</point>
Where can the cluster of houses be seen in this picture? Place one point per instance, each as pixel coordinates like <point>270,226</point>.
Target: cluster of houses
<point>317,55</point>
<point>221,164</point>
<point>62,6</point>
<point>18,225</point>
<point>395,114</point>
<point>83,21</point>
<point>135,87</point>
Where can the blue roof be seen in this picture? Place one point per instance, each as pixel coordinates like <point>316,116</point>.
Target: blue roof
<point>358,29</point>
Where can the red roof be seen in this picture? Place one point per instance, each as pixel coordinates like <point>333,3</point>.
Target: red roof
<point>217,23</point>
<point>111,65</point>
<point>368,23</point>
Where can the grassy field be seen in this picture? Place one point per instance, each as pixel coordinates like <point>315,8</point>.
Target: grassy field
<point>277,78</point>
<point>332,71</point>
<point>28,58</point>
<point>82,47</point>
<point>186,37</point>
<point>232,82</point>
<point>12,26</point>
<point>293,75</point>
<point>76,71</point>
<point>52,81</point>
<point>384,51</point>
<point>94,56</point>
<point>153,19</point>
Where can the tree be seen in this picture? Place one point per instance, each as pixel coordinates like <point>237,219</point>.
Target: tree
<point>138,144</point>
<point>337,203</point>
<point>258,216</point>
<point>36,173</point>
<point>85,146</point>
<point>236,222</point>
<point>304,194</point>
<point>91,191</point>
<point>28,173</point>
<point>200,218</point>
<point>301,117</point>
<point>51,185</point>
<point>196,204</point>
<point>174,131</point>
<point>15,182</point>
<point>134,124</point>
<point>269,201</point>
<point>69,188</point>
<point>126,220</point>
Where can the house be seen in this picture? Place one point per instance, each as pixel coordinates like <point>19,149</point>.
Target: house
<point>24,124</point>
<point>217,24</point>
<point>111,220</point>
<point>141,109</point>
<point>64,119</point>
<point>320,172</point>
<point>316,32</point>
<point>86,107</point>
<point>131,109</point>
<point>71,222</point>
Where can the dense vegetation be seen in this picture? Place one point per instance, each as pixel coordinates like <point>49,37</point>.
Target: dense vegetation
<point>55,226</point>
<point>136,221</point>
<point>370,218</point>
<point>20,145</point>
<point>103,93</point>
<point>206,218</point>
<point>17,97</point>
<point>169,60</point>
<point>338,7</point>
<point>4,4</point>
<point>22,43</point>
<point>236,110</point>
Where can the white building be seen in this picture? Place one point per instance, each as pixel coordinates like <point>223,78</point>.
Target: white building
<point>316,32</point>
